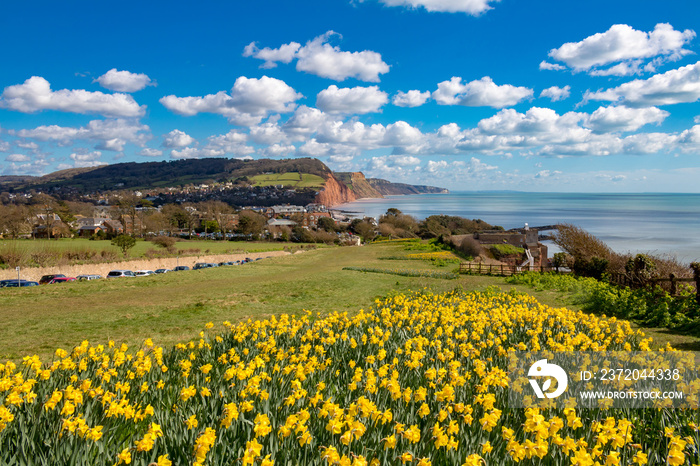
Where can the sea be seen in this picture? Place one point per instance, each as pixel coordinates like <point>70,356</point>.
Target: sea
<point>659,223</point>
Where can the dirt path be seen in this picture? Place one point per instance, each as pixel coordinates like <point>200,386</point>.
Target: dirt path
<point>35,273</point>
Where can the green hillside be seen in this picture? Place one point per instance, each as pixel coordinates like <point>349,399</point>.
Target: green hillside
<point>147,175</point>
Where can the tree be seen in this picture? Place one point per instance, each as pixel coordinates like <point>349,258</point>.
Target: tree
<point>251,223</point>
<point>14,220</point>
<point>591,256</point>
<point>396,223</point>
<point>177,216</point>
<point>124,242</point>
<point>126,206</point>
<point>45,206</point>
<point>327,224</point>
<point>156,222</point>
<point>363,228</point>
<point>560,259</point>
<point>435,226</point>
<point>581,244</point>
<point>222,214</point>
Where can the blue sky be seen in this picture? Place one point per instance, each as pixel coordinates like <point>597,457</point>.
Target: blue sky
<point>592,96</point>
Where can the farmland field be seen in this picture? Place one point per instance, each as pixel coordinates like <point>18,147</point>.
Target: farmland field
<point>290,179</point>
<point>312,365</point>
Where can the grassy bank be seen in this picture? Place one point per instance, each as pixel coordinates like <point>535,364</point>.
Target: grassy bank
<point>174,307</point>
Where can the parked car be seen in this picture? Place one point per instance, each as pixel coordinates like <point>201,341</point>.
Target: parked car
<point>144,273</point>
<point>21,283</point>
<point>14,283</point>
<point>47,278</point>
<point>120,274</point>
<point>201,265</point>
<point>3,283</point>
<point>61,280</point>
<point>180,268</point>
<point>163,270</point>
<point>87,277</point>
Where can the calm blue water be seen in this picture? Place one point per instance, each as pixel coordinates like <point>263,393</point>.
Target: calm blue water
<point>658,223</point>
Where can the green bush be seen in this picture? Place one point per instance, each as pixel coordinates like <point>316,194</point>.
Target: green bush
<point>651,307</point>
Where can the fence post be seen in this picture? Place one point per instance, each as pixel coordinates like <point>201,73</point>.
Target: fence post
<point>479,268</point>
<point>696,272</point>
<point>502,270</point>
<point>672,276</point>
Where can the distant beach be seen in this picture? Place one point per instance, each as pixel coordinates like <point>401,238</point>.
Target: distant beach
<point>660,223</point>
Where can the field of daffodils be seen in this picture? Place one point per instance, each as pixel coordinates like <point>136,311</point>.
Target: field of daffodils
<point>418,379</point>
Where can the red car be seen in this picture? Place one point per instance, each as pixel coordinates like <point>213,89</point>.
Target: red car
<point>61,280</point>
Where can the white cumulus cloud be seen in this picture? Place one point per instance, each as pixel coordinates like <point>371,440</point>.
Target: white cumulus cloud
<point>544,65</point>
<point>556,93</point>
<point>87,159</point>
<point>672,87</point>
<point>278,150</point>
<point>322,59</point>
<point>305,121</point>
<point>621,118</point>
<point>35,94</point>
<point>150,152</point>
<point>109,134</point>
<point>124,81</point>
<point>471,7</point>
<point>267,133</point>
<point>480,93</point>
<point>177,139</point>
<point>17,158</point>
<point>249,101</point>
<point>285,53</point>
<point>351,100</point>
<point>195,153</point>
<point>413,98</point>
<point>622,43</point>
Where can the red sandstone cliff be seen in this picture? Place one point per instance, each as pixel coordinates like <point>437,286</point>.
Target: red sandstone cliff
<point>335,192</point>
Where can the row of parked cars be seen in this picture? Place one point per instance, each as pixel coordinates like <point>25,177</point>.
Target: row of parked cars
<point>60,278</point>
<point>197,266</point>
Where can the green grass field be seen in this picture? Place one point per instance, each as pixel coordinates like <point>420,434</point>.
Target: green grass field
<point>52,250</point>
<point>291,179</point>
<point>174,307</point>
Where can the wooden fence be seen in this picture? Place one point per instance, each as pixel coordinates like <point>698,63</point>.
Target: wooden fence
<point>626,280</point>
<point>480,268</point>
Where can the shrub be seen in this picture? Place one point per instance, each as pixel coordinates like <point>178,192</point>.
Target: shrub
<point>124,242</point>
<point>470,247</point>
<point>165,242</point>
